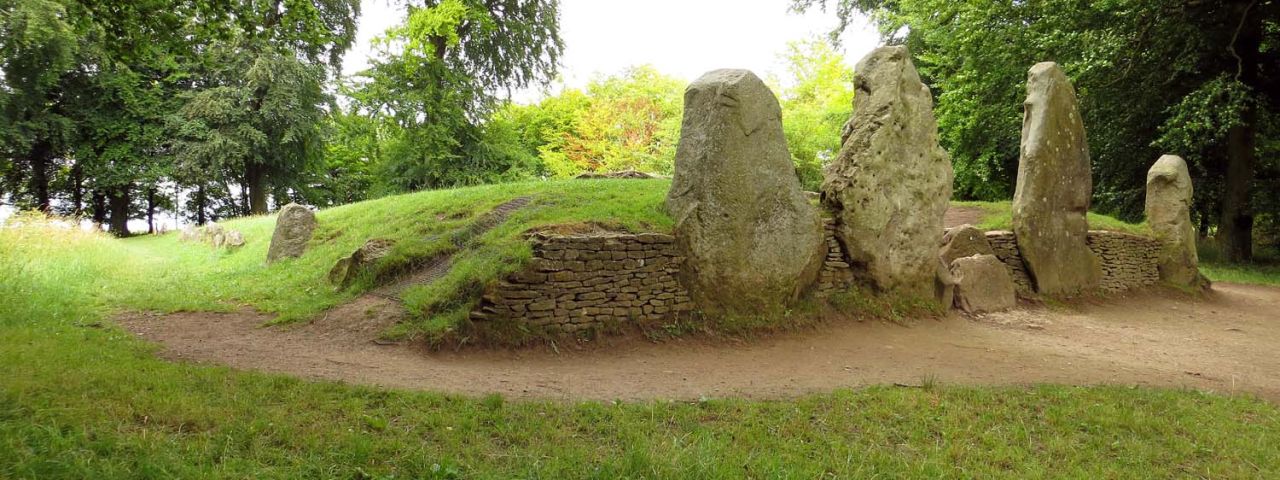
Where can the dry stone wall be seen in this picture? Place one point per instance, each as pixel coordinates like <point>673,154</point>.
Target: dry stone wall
<point>1128,261</point>
<point>836,274</point>
<point>579,282</point>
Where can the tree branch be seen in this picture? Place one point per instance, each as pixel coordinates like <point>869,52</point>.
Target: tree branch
<point>1236,36</point>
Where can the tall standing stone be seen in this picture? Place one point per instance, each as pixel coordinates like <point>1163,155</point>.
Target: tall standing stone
<point>1169,194</point>
<point>1054,187</point>
<point>751,239</point>
<point>294,226</point>
<point>890,186</point>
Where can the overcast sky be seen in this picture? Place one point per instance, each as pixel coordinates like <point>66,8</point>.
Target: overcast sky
<point>684,38</point>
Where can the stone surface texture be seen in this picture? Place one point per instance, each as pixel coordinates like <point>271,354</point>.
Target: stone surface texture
<point>1169,194</point>
<point>983,284</point>
<point>349,268</point>
<point>1127,262</point>
<point>580,282</point>
<point>964,241</point>
<point>1054,187</point>
<point>294,226</point>
<point>890,185</point>
<point>751,239</point>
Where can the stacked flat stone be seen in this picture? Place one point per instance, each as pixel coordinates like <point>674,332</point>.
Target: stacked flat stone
<point>837,274</point>
<point>1005,246</point>
<point>578,282</point>
<point>1128,261</point>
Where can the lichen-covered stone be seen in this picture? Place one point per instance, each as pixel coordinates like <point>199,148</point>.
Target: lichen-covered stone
<point>741,218</point>
<point>1169,194</point>
<point>1054,187</point>
<point>890,185</point>
<point>233,239</point>
<point>964,241</point>
<point>294,226</point>
<point>982,284</point>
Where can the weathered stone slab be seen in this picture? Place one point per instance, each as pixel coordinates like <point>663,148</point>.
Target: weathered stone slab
<point>1169,195</point>
<point>348,268</point>
<point>964,241</point>
<point>294,226</point>
<point>983,284</point>
<point>751,239</point>
<point>890,185</point>
<point>1054,187</point>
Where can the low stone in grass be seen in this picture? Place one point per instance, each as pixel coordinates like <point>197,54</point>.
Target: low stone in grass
<point>294,227</point>
<point>983,284</point>
<point>349,268</point>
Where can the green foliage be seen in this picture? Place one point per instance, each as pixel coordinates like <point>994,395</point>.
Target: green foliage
<point>1153,77</point>
<point>629,121</point>
<point>435,84</point>
<point>816,103</point>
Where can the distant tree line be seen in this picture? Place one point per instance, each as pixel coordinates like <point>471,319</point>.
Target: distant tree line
<point>1197,78</point>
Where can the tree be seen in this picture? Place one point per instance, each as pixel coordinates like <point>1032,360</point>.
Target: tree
<point>1197,78</point>
<point>817,101</point>
<point>438,79</point>
<point>38,48</point>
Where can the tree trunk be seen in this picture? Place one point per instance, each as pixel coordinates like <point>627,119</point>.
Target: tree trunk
<point>99,209</point>
<point>77,190</point>
<point>118,200</point>
<point>255,176</point>
<point>200,203</point>
<point>40,174</point>
<point>1235,227</point>
<point>151,211</point>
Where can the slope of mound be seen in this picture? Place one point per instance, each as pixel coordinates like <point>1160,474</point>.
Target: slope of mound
<point>424,225</point>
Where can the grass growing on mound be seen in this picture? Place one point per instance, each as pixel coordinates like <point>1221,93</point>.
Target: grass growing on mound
<point>80,398</point>
<point>999,216</point>
<point>167,275</point>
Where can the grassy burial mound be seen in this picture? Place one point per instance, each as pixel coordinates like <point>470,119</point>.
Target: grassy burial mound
<point>446,248</point>
<point>81,398</point>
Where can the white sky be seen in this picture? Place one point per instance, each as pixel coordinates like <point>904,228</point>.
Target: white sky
<point>683,38</point>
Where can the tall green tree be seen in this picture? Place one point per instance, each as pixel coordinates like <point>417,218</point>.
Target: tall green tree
<point>38,49</point>
<point>1195,78</point>
<point>260,101</point>
<point>439,77</point>
<point>817,100</point>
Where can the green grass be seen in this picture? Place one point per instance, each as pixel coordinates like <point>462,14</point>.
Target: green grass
<point>191,276</point>
<point>999,216</point>
<point>80,398</point>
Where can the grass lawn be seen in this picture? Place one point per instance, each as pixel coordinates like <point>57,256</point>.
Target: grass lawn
<point>80,398</point>
<point>999,216</point>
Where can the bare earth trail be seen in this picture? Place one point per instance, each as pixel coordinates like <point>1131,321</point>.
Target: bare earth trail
<point>1225,343</point>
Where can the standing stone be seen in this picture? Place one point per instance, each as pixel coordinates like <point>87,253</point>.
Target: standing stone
<point>189,234</point>
<point>890,186</point>
<point>751,239</point>
<point>983,284</point>
<point>1169,194</point>
<point>1054,186</point>
<point>294,226</point>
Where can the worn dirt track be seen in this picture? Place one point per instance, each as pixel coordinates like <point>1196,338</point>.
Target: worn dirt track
<point>1224,343</point>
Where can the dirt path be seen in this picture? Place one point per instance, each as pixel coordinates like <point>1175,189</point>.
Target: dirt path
<point>957,216</point>
<point>1225,343</point>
